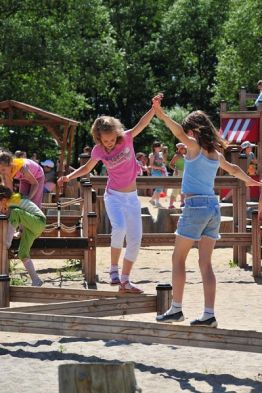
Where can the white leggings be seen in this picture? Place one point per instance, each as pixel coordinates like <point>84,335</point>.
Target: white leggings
<point>124,212</point>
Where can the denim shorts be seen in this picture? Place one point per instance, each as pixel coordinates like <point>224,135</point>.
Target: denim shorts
<point>200,217</point>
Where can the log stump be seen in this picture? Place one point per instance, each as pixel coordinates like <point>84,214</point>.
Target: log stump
<point>147,223</point>
<point>164,222</point>
<point>97,378</point>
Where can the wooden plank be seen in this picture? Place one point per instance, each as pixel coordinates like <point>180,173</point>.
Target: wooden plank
<point>95,307</point>
<point>53,295</point>
<point>99,182</point>
<point>143,332</point>
<point>168,239</point>
<point>61,242</point>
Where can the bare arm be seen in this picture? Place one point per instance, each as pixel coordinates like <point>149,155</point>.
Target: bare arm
<point>83,170</point>
<point>174,127</point>
<point>143,122</point>
<point>237,172</point>
<point>173,162</point>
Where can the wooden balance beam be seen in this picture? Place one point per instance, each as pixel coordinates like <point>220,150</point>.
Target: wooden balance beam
<point>133,331</point>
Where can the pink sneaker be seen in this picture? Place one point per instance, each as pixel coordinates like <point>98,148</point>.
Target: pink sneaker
<point>127,287</point>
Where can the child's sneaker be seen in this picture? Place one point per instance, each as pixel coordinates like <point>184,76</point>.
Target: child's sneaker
<point>127,287</point>
<point>171,207</point>
<point>176,317</point>
<point>152,202</point>
<point>210,322</point>
<point>158,204</point>
<point>37,282</point>
<point>114,278</point>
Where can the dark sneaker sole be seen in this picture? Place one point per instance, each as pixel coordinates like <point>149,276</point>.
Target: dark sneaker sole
<point>177,317</point>
<point>211,322</point>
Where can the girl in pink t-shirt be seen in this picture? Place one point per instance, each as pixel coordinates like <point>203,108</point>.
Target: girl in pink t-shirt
<point>114,147</point>
<point>29,173</point>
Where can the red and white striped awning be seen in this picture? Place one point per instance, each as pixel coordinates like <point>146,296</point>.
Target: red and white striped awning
<point>240,130</point>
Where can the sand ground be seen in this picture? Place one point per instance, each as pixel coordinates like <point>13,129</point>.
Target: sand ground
<point>29,363</point>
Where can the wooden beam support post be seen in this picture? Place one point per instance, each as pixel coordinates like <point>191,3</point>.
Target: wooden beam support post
<point>163,298</point>
<point>4,264</point>
<point>256,245</point>
<point>242,211</point>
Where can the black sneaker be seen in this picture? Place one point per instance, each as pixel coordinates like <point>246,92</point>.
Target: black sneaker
<point>177,317</point>
<point>210,322</point>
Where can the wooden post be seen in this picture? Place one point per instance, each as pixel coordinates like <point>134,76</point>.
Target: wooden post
<point>223,106</point>
<point>256,245</point>
<point>90,253</point>
<point>242,99</point>
<point>4,290</point>
<point>234,159</point>
<point>163,298</point>
<point>4,264</point>
<point>242,211</point>
<point>97,377</point>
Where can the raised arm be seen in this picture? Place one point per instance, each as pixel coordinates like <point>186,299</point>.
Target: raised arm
<point>83,170</point>
<point>174,127</point>
<point>237,172</point>
<point>143,122</point>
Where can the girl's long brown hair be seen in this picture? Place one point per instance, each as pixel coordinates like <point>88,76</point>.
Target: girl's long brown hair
<point>204,131</point>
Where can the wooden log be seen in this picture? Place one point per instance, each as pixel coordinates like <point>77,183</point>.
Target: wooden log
<point>163,298</point>
<point>143,332</point>
<point>147,223</point>
<point>163,222</point>
<point>97,377</point>
<point>4,290</point>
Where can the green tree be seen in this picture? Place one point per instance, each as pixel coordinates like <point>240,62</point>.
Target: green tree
<point>186,49</point>
<point>239,53</point>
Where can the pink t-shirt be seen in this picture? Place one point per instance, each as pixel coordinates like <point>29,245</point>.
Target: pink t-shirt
<point>121,163</point>
<point>34,167</point>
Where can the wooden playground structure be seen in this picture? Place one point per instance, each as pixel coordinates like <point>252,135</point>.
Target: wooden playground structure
<point>80,313</point>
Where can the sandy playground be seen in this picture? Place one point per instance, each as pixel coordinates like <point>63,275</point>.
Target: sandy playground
<point>29,363</point>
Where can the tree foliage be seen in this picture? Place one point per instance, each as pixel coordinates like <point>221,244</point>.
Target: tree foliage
<point>85,58</point>
<point>239,52</point>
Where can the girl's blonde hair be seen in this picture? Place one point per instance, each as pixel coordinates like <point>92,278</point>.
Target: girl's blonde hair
<point>6,158</point>
<point>204,131</point>
<point>106,125</point>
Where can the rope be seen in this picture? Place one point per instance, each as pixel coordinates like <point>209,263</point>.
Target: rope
<point>62,204</point>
